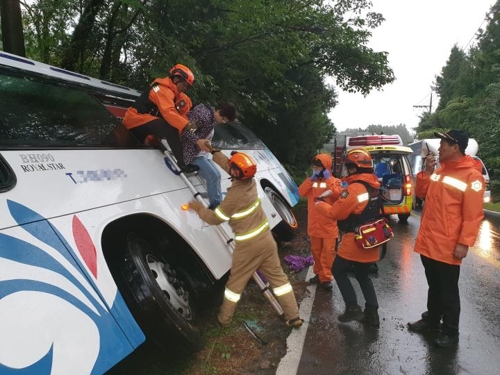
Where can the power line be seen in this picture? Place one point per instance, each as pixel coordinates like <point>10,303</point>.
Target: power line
<point>425,106</point>
<point>458,68</point>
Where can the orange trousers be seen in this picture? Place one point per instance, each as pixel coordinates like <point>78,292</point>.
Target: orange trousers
<point>323,252</point>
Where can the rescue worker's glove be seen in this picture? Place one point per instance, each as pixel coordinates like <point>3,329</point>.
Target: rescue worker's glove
<point>194,205</point>
<point>190,127</point>
<point>319,199</point>
<point>315,175</point>
<point>326,174</point>
<point>234,152</point>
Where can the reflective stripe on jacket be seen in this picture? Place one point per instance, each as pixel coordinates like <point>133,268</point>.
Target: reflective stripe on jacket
<point>241,207</point>
<point>453,208</point>
<point>352,200</point>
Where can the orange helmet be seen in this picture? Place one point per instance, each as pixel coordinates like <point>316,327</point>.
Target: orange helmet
<point>360,157</point>
<point>243,164</point>
<point>184,72</point>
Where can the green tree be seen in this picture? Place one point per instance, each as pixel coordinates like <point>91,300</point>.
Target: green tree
<point>450,84</point>
<point>267,56</point>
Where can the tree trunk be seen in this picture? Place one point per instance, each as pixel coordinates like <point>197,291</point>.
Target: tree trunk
<point>12,27</point>
<point>109,55</point>
<point>80,35</point>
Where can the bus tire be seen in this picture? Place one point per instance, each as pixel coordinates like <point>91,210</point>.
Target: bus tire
<point>287,228</point>
<point>159,298</point>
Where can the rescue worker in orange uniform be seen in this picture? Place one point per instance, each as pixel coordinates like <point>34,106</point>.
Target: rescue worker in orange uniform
<point>451,217</point>
<point>323,231</point>
<point>255,244</point>
<point>357,204</point>
<point>161,111</point>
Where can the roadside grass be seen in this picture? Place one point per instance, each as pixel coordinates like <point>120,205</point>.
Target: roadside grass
<point>492,207</point>
<point>223,345</point>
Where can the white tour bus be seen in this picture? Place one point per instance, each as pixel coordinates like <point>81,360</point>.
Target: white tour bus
<point>96,253</point>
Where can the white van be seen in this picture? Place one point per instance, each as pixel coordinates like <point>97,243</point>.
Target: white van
<point>486,176</point>
<point>392,167</point>
<point>425,146</point>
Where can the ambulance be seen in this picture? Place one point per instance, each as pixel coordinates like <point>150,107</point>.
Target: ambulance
<point>392,166</point>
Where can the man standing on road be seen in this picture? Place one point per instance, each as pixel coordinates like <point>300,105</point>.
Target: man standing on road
<point>452,214</point>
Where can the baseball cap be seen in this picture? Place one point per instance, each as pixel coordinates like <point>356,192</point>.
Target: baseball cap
<point>455,136</point>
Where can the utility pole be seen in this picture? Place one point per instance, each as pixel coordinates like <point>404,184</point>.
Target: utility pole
<point>425,106</point>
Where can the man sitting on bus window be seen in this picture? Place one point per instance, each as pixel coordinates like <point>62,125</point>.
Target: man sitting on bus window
<point>205,117</point>
<point>161,112</point>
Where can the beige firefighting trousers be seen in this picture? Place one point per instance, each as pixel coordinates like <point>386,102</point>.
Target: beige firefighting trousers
<point>260,253</point>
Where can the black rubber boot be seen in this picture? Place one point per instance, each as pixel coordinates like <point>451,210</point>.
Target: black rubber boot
<point>423,326</point>
<point>371,318</point>
<point>351,313</point>
<point>445,340</point>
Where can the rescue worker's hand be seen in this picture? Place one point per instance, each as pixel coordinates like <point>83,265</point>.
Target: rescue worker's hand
<point>319,199</point>
<point>314,176</point>
<point>234,152</point>
<point>318,203</point>
<point>194,205</point>
<point>430,163</point>
<point>326,174</point>
<point>190,127</point>
<point>210,147</point>
<point>204,145</point>
<point>460,251</point>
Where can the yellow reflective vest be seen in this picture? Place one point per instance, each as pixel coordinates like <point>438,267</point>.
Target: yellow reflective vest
<point>241,207</point>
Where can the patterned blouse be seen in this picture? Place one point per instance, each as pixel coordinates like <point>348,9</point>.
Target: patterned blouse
<point>203,116</point>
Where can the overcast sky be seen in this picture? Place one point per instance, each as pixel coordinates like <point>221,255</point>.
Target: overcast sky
<point>418,35</point>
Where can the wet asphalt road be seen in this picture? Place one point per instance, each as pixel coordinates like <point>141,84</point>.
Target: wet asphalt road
<point>334,348</point>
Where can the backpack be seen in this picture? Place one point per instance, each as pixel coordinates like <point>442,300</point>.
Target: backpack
<point>370,227</point>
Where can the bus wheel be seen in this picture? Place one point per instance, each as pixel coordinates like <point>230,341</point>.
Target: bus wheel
<point>403,218</point>
<point>285,230</point>
<point>159,298</point>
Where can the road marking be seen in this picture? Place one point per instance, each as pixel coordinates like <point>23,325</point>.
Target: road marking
<point>289,364</point>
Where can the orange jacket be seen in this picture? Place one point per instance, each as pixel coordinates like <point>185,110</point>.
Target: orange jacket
<point>453,208</point>
<point>352,200</point>
<point>165,96</point>
<point>319,225</point>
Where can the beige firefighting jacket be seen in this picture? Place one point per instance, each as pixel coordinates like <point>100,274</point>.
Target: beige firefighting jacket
<point>241,207</point>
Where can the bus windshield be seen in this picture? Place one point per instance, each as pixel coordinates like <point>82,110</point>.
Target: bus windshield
<point>49,113</point>
<point>236,136</point>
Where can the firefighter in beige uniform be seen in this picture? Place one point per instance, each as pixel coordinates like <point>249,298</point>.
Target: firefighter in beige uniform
<point>255,245</point>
